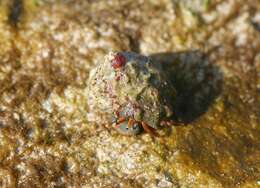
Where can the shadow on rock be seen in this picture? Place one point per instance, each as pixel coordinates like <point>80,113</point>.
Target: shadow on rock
<point>197,81</point>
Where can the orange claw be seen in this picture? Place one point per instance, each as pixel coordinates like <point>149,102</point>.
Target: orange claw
<point>120,120</point>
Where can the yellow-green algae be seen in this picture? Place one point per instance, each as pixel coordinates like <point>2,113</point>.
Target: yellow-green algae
<point>45,139</point>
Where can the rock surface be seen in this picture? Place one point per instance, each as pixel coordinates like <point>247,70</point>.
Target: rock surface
<point>211,49</point>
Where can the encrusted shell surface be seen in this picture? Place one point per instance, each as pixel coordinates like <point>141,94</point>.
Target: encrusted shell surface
<point>139,89</point>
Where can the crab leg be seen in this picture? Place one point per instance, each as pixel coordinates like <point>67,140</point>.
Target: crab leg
<point>148,129</point>
<point>130,122</point>
<point>166,123</point>
<point>171,122</point>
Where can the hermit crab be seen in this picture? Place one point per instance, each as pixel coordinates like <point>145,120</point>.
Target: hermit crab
<point>131,93</point>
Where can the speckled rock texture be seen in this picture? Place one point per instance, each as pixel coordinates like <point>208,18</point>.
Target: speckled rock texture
<point>210,50</point>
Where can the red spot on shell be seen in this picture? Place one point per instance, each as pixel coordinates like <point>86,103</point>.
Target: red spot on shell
<point>118,61</point>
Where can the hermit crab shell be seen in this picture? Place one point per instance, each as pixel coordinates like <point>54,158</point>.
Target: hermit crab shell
<point>129,85</point>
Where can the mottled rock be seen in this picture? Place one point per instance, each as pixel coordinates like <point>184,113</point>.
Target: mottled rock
<point>211,55</point>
